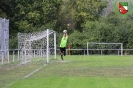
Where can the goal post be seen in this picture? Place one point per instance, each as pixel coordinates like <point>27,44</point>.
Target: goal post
<point>49,32</point>
<point>51,45</point>
<point>94,47</point>
<point>37,45</point>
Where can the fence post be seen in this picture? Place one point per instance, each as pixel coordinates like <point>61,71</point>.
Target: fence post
<point>118,52</point>
<point>13,55</point>
<point>87,49</point>
<point>84,52</point>
<point>101,52</point>
<point>8,56</point>
<point>2,57</point>
<point>121,49</point>
<point>18,54</point>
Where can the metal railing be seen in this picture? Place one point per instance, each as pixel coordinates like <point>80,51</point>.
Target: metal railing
<point>14,54</point>
<point>11,56</point>
<point>98,51</point>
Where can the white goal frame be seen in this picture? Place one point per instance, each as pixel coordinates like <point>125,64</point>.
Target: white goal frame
<point>93,43</point>
<point>26,41</point>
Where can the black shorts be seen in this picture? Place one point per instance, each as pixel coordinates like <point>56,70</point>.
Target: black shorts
<point>63,50</point>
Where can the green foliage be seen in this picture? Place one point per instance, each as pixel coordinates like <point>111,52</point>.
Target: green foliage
<point>29,15</point>
<point>77,12</point>
<point>111,29</point>
<point>81,18</point>
<point>107,29</point>
<point>75,40</point>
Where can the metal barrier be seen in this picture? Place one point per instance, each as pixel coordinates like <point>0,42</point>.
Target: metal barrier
<point>13,55</point>
<point>98,51</point>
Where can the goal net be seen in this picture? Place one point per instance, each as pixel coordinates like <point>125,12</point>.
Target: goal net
<point>38,46</point>
<point>94,48</point>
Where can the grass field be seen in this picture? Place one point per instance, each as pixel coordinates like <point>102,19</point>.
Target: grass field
<point>81,72</point>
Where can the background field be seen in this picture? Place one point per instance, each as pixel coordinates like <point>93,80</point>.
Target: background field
<point>79,72</point>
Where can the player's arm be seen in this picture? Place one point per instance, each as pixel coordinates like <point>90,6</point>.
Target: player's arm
<point>65,34</point>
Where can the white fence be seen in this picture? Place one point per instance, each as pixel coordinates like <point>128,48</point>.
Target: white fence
<point>98,51</point>
<point>14,56</point>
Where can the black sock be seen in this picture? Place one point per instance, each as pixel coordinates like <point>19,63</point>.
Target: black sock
<point>62,57</point>
<point>64,53</point>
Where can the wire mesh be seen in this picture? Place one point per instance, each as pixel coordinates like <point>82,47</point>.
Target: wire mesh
<point>35,46</point>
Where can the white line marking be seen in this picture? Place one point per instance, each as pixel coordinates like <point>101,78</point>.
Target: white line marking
<point>31,73</point>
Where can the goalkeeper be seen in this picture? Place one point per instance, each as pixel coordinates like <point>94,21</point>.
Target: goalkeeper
<point>63,44</point>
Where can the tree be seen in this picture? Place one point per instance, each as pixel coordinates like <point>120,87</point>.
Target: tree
<point>28,15</point>
<point>110,29</point>
<point>77,12</point>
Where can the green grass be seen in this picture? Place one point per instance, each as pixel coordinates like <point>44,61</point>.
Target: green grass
<point>13,71</point>
<point>82,72</point>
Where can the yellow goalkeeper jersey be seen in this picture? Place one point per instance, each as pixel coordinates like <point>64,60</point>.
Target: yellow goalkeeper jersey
<point>63,41</point>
